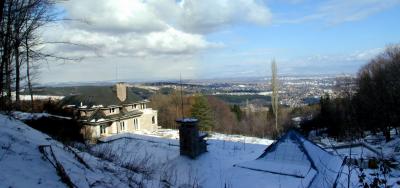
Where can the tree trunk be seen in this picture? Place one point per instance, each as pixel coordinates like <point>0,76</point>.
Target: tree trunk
<point>7,57</point>
<point>28,72</point>
<point>387,134</point>
<point>17,75</point>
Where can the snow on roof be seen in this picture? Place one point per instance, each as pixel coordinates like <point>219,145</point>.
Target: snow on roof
<point>187,120</point>
<point>294,156</point>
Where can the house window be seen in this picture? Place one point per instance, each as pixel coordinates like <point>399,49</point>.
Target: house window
<point>136,124</point>
<point>153,120</point>
<point>102,129</point>
<point>122,125</point>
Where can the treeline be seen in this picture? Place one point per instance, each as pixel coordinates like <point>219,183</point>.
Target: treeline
<point>20,45</point>
<point>373,105</point>
<point>217,115</point>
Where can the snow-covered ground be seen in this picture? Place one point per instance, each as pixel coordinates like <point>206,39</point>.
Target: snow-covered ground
<point>23,165</point>
<point>212,169</point>
<point>149,158</point>
<point>37,97</point>
<point>173,134</point>
<point>216,167</point>
<point>33,116</point>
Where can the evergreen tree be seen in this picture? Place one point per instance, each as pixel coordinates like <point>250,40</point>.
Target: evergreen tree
<point>274,97</point>
<point>237,111</point>
<point>202,111</point>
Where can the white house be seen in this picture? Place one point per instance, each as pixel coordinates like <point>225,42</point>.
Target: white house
<point>106,111</point>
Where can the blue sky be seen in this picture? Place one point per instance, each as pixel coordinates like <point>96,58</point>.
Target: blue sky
<point>154,40</point>
<point>291,42</point>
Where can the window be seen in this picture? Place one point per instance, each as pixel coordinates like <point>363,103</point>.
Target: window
<point>122,125</point>
<point>136,124</point>
<point>102,129</point>
<point>153,120</point>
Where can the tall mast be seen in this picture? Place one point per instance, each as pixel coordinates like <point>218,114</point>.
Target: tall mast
<point>180,78</point>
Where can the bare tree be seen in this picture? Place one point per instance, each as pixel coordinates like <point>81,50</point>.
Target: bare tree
<point>20,44</point>
<point>20,19</point>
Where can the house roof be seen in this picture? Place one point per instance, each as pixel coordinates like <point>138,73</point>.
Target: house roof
<point>99,95</point>
<point>296,157</point>
<point>99,115</point>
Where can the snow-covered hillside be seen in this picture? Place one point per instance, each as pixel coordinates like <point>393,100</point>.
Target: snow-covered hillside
<point>142,159</point>
<point>23,165</point>
<point>214,168</point>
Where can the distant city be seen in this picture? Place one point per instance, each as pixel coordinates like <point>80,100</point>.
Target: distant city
<point>294,91</point>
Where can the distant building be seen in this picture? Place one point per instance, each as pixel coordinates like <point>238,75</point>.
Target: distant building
<point>106,111</point>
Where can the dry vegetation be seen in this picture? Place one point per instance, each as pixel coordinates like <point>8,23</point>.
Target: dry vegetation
<point>224,118</point>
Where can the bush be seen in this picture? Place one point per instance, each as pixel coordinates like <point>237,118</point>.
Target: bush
<point>64,130</point>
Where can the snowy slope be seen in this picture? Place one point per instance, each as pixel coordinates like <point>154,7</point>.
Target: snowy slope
<point>23,165</point>
<point>219,167</point>
<point>214,168</point>
<point>21,162</point>
<point>151,160</point>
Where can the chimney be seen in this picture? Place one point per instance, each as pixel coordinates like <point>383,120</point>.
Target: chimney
<point>121,91</point>
<point>191,141</point>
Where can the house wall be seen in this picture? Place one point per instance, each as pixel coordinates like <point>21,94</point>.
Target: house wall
<point>130,125</point>
<point>85,113</point>
<point>107,111</point>
<point>146,120</point>
<point>136,106</point>
<point>130,107</point>
<point>113,128</point>
<point>144,123</point>
<point>90,132</point>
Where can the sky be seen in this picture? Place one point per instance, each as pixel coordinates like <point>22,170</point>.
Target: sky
<point>148,40</point>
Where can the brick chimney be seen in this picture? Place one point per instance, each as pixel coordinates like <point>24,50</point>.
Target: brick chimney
<point>121,91</point>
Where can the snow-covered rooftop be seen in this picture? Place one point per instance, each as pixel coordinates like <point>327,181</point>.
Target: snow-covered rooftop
<point>293,156</point>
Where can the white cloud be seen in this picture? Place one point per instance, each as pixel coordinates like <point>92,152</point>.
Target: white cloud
<point>120,69</point>
<point>89,43</point>
<point>114,16</point>
<point>175,41</point>
<point>357,56</point>
<point>143,34</point>
<point>147,28</point>
<point>251,64</point>
<point>210,15</point>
